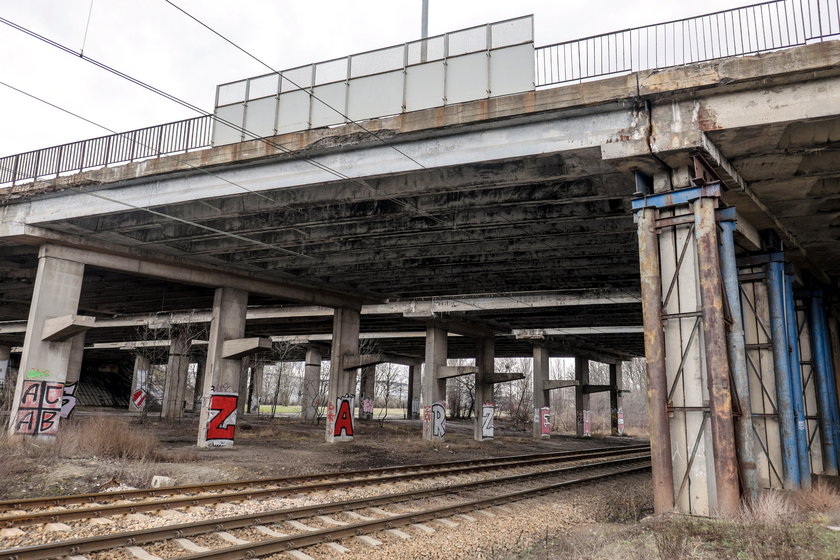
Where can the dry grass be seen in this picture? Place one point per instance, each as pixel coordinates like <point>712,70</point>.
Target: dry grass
<point>821,498</point>
<point>106,437</point>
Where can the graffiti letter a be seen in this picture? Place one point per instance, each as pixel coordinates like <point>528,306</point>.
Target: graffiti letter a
<point>344,419</point>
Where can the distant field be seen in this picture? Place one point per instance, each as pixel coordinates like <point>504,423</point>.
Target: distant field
<point>392,412</point>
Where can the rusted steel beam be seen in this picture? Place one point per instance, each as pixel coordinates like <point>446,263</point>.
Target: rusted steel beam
<point>717,362</point>
<point>651,292</point>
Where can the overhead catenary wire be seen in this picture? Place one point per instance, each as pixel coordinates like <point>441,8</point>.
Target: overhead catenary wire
<point>149,210</point>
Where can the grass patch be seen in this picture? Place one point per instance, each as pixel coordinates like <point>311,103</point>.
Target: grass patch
<point>105,437</point>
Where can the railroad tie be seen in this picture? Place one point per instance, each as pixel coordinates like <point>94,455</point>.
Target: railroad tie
<point>446,522</point>
<point>225,536</point>
<point>298,555</point>
<point>9,532</point>
<point>424,528</point>
<point>330,520</point>
<point>380,511</point>
<point>465,517</point>
<point>357,516</point>
<point>57,528</point>
<point>190,546</point>
<point>300,526</point>
<point>269,532</point>
<point>338,548</point>
<point>398,534</point>
<point>141,554</point>
<point>369,541</point>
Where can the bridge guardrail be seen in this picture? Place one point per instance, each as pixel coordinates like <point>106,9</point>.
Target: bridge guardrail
<point>752,29</point>
<point>756,28</point>
<point>75,157</point>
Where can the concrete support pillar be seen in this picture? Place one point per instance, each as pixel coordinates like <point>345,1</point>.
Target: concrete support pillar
<point>412,404</point>
<point>797,388</point>
<point>177,371</point>
<point>434,389</point>
<point>485,355</point>
<point>342,386</point>
<point>5,378</point>
<point>74,372</point>
<point>245,372</point>
<point>311,383</point>
<point>582,407</point>
<point>255,393</point>
<point>219,399</point>
<point>616,410</point>
<point>139,379</point>
<point>367,392</point>
<point>541,396</point>
<point>200,367</point>
<point>44,364</point>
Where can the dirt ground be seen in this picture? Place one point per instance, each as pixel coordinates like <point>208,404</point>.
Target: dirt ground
<point>268,448</point>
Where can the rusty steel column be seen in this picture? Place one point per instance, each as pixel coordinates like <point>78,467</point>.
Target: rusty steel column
<point>717,362</point>
<point>651,292</point>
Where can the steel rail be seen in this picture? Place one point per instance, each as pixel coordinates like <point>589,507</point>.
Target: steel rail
<point>144,536</point>
<point>356,476</point>
<point>33,518</point>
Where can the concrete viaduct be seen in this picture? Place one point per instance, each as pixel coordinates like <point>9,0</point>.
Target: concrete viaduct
<point>687,214</point>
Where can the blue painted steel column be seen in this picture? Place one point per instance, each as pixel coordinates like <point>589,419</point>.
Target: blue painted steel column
<point>797,392</point>
<point>784,403</point>
<point>744,442</point>
<point>825,385</point>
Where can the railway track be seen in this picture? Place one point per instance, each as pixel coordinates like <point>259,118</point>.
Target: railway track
<point>18,513</point>
<point>317,524</point>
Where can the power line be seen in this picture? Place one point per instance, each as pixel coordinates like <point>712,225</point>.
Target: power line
<point>149,210</point>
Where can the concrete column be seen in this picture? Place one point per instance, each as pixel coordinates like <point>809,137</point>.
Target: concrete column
<point>142,366</point>
<point>414,390</point>
<point>367,390</point>
<point>434,389</point>
<point>74,372</point>
<point>485,355</point>
<point>345,345</point>
<point>541,397</point>
<point>177,370</point>
<point>5,359</point>
<point>219,398</point>
<point>43,365</point>
<point>245,372</point>
<point>615,400</point>
<point>200,366</point>
<point>581,398</point>
<point>311,383</point>
<point>256,392</point>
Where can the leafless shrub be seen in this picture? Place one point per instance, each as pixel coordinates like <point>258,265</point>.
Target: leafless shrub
<point>770,507</point>
<point>820,498</point>
<point>107,437</point>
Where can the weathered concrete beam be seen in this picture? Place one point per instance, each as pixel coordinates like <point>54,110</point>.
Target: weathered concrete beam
<point>165,268</point>
<point>367,360</point>
<point>464,328</point>
<point>59,329</point>
<point>445,372</point>
<point>552,384</point>
<point>540,334</point>
<point>503,376</point>
<point>241,347</point>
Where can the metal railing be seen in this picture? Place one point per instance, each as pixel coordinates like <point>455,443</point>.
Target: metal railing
<point>75,157</point>
<point>747,30</point>
<point>741,31</point>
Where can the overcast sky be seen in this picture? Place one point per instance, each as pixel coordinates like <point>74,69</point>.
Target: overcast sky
<point>151,40</point>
